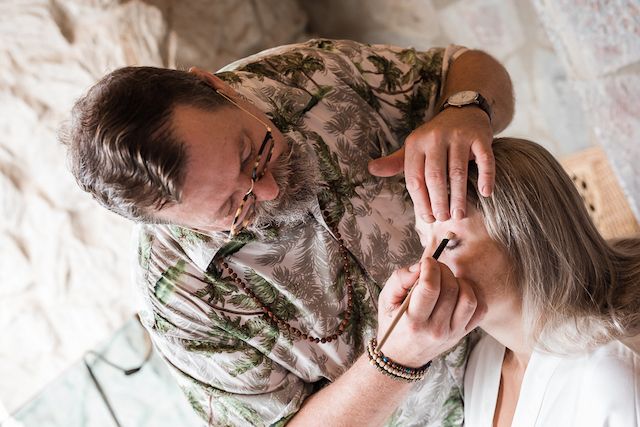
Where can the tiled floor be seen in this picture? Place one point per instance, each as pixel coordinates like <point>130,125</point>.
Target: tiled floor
<point>147,398</point>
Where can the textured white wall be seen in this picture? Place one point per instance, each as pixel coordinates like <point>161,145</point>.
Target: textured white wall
<point>64,261</point>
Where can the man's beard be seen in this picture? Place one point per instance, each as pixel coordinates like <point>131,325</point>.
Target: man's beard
<point>296,174</point>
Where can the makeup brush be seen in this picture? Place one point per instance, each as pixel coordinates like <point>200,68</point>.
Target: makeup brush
<point>405,304</point>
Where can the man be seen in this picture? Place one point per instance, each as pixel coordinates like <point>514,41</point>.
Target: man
<point>269,227</point>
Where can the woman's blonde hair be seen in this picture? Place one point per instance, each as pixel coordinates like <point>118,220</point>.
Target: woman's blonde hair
<point>578,290</point>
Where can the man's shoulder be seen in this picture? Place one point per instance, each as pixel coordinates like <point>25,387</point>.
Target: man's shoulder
<point>168,275</point>
<point>161,246</point>
<point>318,46</point>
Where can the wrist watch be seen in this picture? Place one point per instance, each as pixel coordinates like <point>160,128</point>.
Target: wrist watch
<point>468,97</point>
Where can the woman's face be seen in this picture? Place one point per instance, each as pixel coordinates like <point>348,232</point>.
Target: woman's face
<point>474,256</point>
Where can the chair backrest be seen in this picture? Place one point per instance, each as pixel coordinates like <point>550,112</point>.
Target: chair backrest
<point>598,186</point>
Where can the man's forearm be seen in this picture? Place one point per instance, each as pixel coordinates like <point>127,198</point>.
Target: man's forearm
<point>361,396</point>
<point>480,72</point>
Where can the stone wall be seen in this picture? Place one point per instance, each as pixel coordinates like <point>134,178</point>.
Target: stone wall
<point>598,43</point>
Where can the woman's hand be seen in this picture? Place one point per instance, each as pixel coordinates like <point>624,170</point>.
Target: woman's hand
<point>442,310</point>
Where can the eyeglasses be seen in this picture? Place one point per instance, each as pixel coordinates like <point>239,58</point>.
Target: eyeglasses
<point>246,210</point>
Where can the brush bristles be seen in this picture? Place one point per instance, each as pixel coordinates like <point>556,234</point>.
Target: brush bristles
<point>450,235</point>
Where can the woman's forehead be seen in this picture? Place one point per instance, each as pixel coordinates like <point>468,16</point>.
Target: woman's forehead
<point>472,222</point>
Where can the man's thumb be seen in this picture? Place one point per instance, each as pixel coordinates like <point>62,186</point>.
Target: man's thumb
<point>389,165</point>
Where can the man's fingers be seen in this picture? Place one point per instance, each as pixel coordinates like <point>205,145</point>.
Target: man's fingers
<point>486,166</point>
<point>435,173</point>
<point>389,165</point>
<point>425,296</point>
<point>440,319</point>
<point>458,167</point>
<point>399,285</point>
<point>414,178</point>
<point>465,306</point>
<point>478,315</point>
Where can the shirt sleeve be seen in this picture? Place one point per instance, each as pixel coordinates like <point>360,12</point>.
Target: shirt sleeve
<point>403,84</point>
<point>221,358</point>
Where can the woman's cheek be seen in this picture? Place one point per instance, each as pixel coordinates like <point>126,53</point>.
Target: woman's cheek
<point>465,265</point>
<point>455,263</point>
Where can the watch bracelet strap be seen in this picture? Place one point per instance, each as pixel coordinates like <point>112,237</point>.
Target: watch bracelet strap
<point>484,104</point>
<point>481,102</point>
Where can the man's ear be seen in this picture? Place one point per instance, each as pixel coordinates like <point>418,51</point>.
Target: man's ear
<point>215,82</point>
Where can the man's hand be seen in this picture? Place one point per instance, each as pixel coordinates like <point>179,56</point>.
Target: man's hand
<point>437,152</point>
<point>442,310</point>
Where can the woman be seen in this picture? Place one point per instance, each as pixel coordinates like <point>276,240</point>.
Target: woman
<point>563,305</point>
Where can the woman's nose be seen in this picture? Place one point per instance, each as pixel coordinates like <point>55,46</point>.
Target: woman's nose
<point>266,188</point>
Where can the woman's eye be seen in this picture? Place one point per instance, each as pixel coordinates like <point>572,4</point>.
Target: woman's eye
<point>452,244</point>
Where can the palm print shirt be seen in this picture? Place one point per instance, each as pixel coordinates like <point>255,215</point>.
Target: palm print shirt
<point>345,103</point>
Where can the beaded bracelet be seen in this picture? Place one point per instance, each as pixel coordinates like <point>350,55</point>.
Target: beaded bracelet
<point>391,368</point>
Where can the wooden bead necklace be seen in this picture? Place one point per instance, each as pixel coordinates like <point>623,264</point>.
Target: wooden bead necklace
<point>282,324</point>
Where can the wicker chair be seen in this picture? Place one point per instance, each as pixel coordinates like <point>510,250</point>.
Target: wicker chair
<point>592,174</point>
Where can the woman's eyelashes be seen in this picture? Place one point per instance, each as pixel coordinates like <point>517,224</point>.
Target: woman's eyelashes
<point>452,244</point>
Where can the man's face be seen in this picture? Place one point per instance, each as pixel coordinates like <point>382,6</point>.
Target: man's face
<point>222,148</point>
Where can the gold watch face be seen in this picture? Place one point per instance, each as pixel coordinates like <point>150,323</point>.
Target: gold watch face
<point>463,98</point>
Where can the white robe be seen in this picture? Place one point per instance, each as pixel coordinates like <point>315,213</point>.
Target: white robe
<point>598,389</point>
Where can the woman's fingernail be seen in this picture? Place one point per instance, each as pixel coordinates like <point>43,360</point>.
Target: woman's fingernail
<point>486,190</point>
<point>414,267</point>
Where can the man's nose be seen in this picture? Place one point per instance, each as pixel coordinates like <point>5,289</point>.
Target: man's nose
<point>266,188</point>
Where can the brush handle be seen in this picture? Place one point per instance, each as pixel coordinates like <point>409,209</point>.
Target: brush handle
<point>405,303</point>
